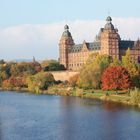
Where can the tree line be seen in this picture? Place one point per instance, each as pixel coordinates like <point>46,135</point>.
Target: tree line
<point>32,75</point>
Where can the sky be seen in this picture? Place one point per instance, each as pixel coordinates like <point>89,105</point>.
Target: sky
<point>33,27</point>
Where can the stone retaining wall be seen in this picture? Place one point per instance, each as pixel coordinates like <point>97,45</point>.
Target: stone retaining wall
<point>63,75</point>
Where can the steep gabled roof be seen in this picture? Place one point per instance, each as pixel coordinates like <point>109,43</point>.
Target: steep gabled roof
<point>90,47</point>
<point>125,44</point>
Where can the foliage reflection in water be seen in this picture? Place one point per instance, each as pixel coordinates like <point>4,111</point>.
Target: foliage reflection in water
<point>43,117</point>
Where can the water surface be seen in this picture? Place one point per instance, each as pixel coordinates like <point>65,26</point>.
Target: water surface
<point>42,117</point>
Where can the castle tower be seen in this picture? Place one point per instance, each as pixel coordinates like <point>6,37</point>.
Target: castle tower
<point>65,44</point>
<point>110,39</point>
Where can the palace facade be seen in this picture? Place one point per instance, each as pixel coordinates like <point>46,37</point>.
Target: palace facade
<point>108,41</point>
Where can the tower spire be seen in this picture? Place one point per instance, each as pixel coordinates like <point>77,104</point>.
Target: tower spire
<point>34,59</point>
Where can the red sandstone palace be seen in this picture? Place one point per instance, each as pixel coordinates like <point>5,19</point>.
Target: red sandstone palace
<point>108,41</point>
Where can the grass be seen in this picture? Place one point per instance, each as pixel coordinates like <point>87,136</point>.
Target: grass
<point>122,96</point>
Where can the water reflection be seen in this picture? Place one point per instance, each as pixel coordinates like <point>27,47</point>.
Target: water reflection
<point>0,129</point>
<point>68,115</point>
<point>112,106</point>
<point>101,120</point>
<point>65,118</point>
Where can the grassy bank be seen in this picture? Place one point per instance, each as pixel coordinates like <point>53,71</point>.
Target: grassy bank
<point>121,96</point>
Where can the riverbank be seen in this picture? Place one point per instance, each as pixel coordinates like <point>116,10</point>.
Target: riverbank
<point>122,97</point>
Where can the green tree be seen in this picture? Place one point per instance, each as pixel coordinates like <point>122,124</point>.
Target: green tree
<point>45,63</point>
<point>2,61</point>
<point>40,81</point>
<point>54,66</point>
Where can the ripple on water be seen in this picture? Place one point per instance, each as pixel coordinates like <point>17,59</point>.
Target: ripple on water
<point>32,117</point>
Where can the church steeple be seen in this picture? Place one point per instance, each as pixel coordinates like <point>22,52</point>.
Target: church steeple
<point>34,59</point>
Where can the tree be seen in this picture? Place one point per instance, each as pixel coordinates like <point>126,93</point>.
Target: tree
<point>24,68</point>
<point>103,61</point>
<point>115,78</point>
<point>129,64</point>
<point>55,66</point>
<point>45,63</point>
<point>132,68</point>
<point>4,72</point>
<point>2,61</point>
<point>40,81</point>
<point>90,73</point>
<point>90,77</point>
<point>14,82</point>
<point>115,62</point>
<point>73,80</point>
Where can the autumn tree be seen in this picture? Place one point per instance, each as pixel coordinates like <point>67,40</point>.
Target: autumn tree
<point>132,68</point>
<point>129,63</point>
<point>90,73</point>
<point>115,78</point>
<point>115,62</point>
<point>4,72</point>
<point>14,82</point>
<point>25,68</point>
<point>73,80</point>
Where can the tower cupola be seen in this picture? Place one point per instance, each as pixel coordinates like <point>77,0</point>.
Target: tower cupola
<point>66,32</point>
<point>109,25</point>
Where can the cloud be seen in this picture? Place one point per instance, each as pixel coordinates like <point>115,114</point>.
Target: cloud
<point>41,40</point>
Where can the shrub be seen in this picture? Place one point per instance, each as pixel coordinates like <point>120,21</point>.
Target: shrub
<point>135,96</point>
<point>79,92</point>
<point>73,80</point>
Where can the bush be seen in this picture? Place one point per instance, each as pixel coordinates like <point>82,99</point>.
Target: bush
<point>135,96</point>
<point>79,92</point>
<point>73,80</point>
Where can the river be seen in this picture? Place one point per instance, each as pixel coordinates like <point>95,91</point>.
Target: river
<point>26,116</point>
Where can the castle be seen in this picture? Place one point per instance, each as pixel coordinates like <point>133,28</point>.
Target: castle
<point>108,41</point>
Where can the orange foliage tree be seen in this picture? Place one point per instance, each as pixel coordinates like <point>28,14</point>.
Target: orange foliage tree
<point>14,82</point>
<point>115,78</point>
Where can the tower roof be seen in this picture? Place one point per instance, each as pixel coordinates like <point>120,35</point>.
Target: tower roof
<point>108,19</point>
<point>66,32</point>
<point>66,27</point>
<point>109,25</point>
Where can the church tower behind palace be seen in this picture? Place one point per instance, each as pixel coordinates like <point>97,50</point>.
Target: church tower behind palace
<point>108,41</point>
